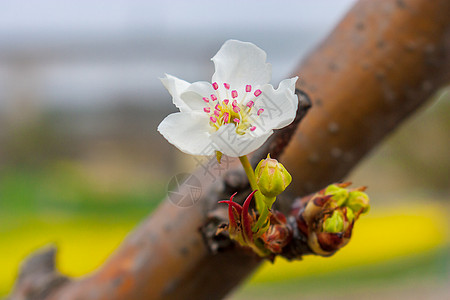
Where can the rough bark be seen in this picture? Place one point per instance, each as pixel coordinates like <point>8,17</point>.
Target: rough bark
<point>381,62</point>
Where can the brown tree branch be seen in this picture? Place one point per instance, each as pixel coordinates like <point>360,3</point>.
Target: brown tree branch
<point>381,62</point>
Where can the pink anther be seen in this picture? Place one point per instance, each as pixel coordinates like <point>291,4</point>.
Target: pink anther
<point>213,119</point>
<point>252,128</point>
<point>236,109</point>
<point>206,99</point>
<point>260,111</point>
<point>213,97</point>
<point>257,93</point>
<point>226,101</point>
<point>236,120</point>
<point>215,86</point>
<point>226,116</point>
<point>207,110</point>
<point>217,113</point>
<point>226,85</point>
<point>234,94</point>
<point>248,88</point>
<point>217,107</point>
<point>250,104</point>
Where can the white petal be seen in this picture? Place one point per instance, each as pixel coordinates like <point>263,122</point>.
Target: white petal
<point>189,132</point>
<point>280,105</point>
<point>193,95</point>
<point>176,87</point>
<point>241,63</point>
<point>234,145</point>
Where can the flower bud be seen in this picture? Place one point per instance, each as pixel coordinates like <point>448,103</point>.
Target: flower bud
<point>338,193</point>
<point>358,202</point>
<point>327,218</point>
<point>272,177</point>
<point>335,223</point>
<point>350,215</point>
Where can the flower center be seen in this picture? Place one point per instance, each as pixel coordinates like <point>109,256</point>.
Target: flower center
<point>232,110</point>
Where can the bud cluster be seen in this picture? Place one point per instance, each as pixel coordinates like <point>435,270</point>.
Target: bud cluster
<point>265,231</point>
<point>265,240</point>
<point>328,217</point>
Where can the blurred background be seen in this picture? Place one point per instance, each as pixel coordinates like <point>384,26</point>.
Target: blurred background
<point>81,162</point>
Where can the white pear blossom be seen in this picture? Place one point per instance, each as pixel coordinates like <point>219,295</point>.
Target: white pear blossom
<point>237,112</point>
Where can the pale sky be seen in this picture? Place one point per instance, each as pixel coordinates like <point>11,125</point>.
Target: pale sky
<point>95,50</point>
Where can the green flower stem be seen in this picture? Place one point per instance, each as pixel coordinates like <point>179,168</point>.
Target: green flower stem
<point>262,219</point>
<point>252,179</point>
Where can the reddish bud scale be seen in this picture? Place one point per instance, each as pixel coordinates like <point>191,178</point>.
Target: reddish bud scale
<point>246,226</point>
<point>301,224</point>
<point>278,235</point>
<point>330,242</point>
<point>276,238</point>
<point>232,204</point>
<point>321,201</point>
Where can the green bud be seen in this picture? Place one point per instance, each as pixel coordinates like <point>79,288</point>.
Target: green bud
<point>358,201</point>
<point>340,194</point>
<point>335,223</point>
<point>272,177</point>
<point>350,215</point>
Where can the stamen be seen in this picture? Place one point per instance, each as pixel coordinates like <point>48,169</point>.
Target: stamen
<point>223,114</point>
